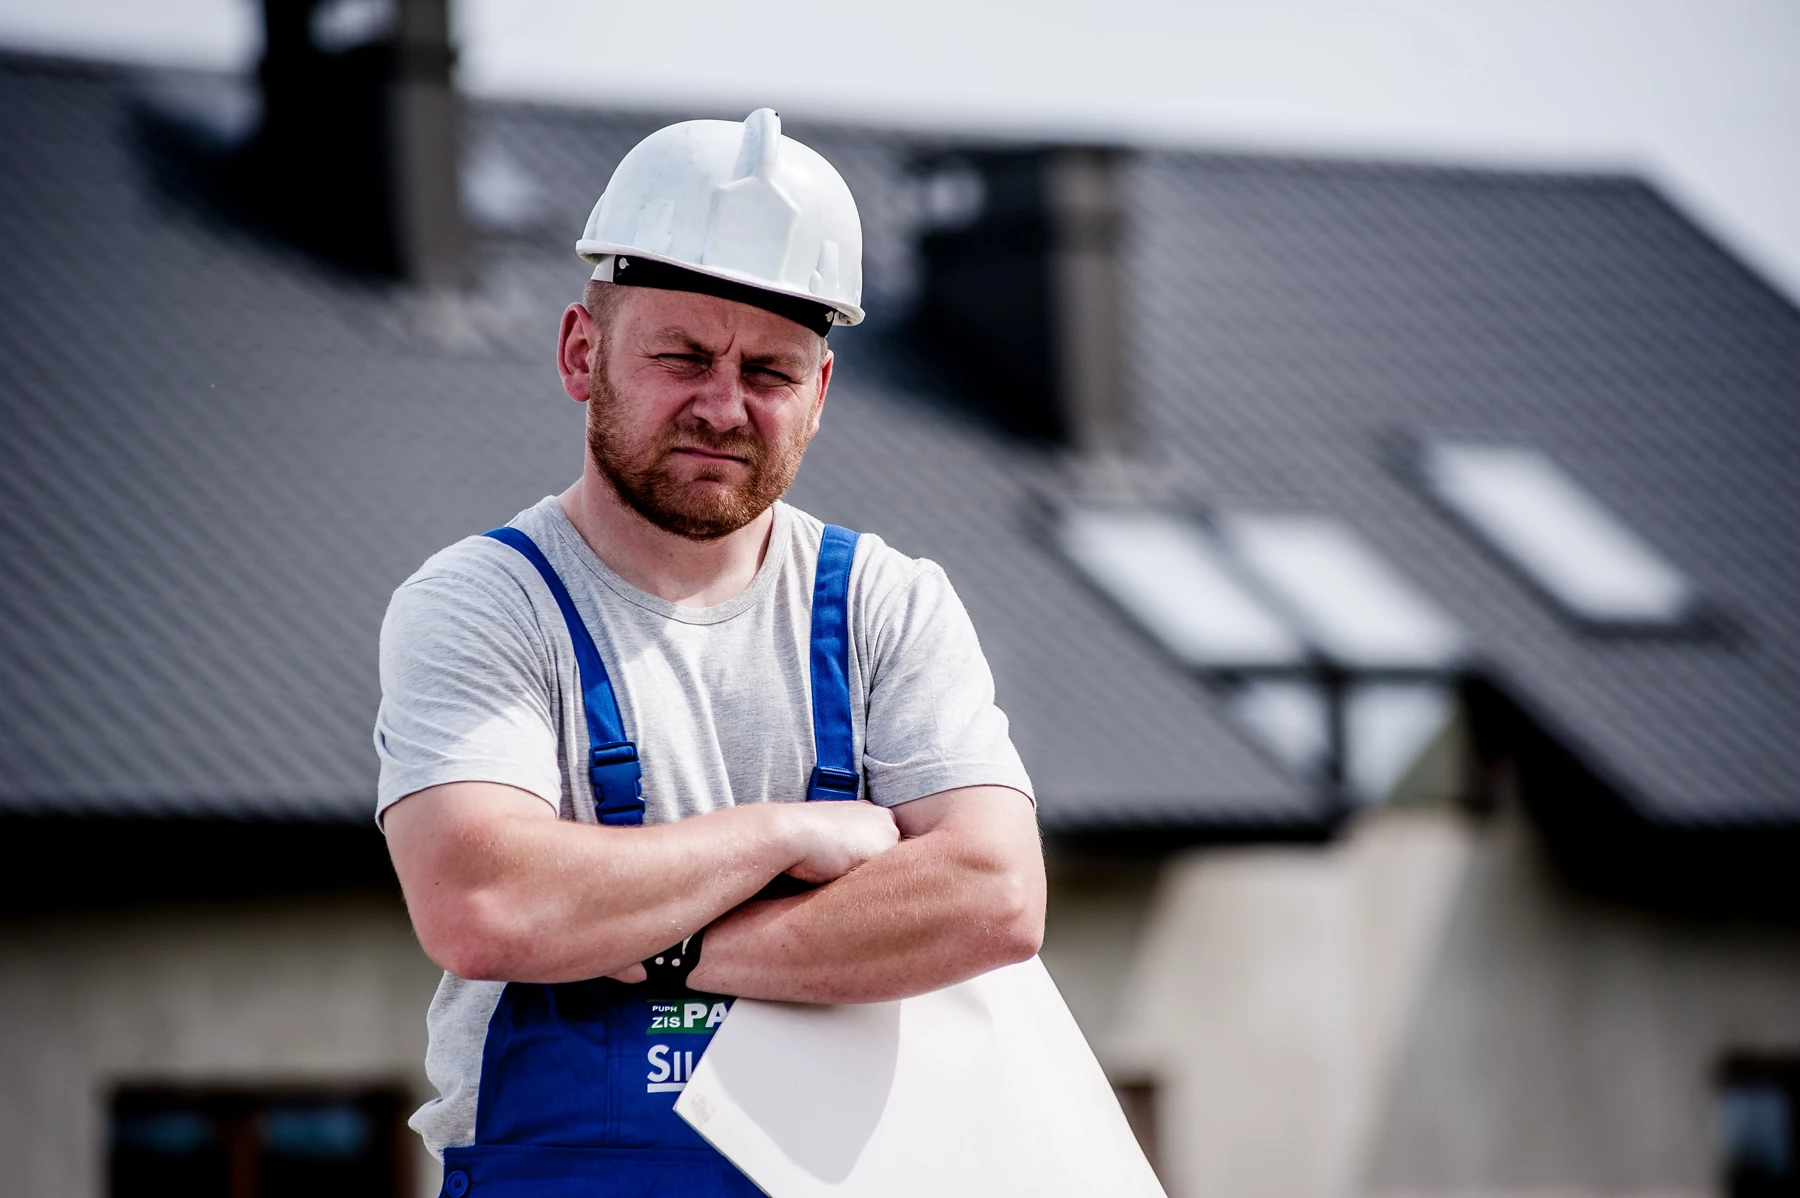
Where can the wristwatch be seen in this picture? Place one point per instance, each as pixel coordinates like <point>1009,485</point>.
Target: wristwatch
<point>668,970</point>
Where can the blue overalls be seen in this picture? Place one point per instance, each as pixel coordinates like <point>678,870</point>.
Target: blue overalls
<point>578,1079</point>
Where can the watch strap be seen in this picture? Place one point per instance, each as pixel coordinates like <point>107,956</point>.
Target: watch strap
<point>667,971</point>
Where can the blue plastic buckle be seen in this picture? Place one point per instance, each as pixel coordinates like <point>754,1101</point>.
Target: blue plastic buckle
<point>829,783</point>
<point>618,783</point>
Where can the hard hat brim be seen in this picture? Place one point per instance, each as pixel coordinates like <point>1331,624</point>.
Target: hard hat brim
<point>634,271</point>
<point>595,253</point>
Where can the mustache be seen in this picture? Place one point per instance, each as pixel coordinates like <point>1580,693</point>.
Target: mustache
<point>727,444</point>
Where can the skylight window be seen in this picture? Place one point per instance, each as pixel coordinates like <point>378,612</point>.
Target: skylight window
<point>1343,596</point>
<point>1388,726</point>
<point>1168,575</point>
<point>1532,513</point>
<point>1263,605</point>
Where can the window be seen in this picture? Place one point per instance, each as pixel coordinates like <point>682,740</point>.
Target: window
<point>1387,728</point>
<point>1170,577</point>
<point>1540,520</point>
<point>1757,1112</point>
<point>1138,1100</point>
<point>1263,605</point>
<point>340,25</point>
<point>1346,600</point>
<point>242,1143</point>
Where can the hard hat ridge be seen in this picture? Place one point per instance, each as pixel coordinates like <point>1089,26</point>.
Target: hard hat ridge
<point>738,203</point>
<point>760,145</point>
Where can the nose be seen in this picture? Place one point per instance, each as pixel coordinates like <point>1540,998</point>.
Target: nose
<point>718,402</point>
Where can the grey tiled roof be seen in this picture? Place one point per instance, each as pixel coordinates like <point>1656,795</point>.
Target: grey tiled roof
<point>1289,320</point>
<point>221,456</point>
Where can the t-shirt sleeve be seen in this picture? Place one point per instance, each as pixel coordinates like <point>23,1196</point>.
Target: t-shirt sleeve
<point>932,722</point>
<point>465,695</point>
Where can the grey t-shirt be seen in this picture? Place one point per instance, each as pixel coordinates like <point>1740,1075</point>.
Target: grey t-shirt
<point>479,683</point>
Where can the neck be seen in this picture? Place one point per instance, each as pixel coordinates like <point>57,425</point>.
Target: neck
<point>658,562</point>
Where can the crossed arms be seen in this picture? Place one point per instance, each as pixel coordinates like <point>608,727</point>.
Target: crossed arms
<point>915,897</point>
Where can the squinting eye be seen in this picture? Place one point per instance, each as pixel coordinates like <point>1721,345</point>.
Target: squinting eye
<point>770,378</point>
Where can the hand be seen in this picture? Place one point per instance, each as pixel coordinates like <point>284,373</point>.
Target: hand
<point>837,836</point>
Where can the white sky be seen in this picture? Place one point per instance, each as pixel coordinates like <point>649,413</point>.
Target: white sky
<point>1702,96</point>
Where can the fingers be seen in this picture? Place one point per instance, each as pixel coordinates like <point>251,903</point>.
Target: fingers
<point>845,834</point>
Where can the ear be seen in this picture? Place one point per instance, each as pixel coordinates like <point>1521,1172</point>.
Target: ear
<point>824,386</point>
<point>576,342</point>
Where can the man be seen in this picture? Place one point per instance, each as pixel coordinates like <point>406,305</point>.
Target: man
<point>667,613</point>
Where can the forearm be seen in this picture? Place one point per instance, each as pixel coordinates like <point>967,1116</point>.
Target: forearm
<point>524,898</point>
<point>959,899</point>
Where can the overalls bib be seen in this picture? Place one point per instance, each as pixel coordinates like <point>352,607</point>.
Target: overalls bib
<point>578,1079</point>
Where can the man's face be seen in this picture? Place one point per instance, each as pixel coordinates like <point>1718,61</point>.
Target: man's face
<point>699,408</point>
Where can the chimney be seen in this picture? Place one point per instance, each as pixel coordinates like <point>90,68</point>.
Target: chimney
<point>1021,289</point>
<point>357,154</point>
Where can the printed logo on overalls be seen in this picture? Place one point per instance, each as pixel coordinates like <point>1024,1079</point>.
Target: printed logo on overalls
<point>670,1067</point>
<point>687,1018</point>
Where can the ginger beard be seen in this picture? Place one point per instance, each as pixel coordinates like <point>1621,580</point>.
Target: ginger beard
<point>702,504</point>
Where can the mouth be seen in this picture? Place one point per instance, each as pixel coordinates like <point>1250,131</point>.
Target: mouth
<point>708,455</point>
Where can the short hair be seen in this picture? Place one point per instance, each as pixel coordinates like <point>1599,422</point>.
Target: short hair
<point>601,299</point>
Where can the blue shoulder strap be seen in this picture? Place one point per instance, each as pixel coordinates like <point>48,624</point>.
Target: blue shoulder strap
<point>613,766</point>
<point>612,760</point>
<point>836,775</point>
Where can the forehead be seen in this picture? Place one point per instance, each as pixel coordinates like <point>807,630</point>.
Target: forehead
<point>649,314</point>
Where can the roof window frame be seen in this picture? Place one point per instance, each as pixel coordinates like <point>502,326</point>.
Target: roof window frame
<point>1678,609</point>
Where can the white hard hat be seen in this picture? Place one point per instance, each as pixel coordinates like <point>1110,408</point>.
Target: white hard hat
<point>740,204</point>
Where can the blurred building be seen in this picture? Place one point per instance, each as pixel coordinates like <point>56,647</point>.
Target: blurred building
<point>1387,572</point>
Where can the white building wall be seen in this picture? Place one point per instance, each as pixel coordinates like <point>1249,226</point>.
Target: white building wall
<point>328,990</point>
<point>1418,1009</point>
<point>1563,1045</point>
<point>1423,1008</point>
